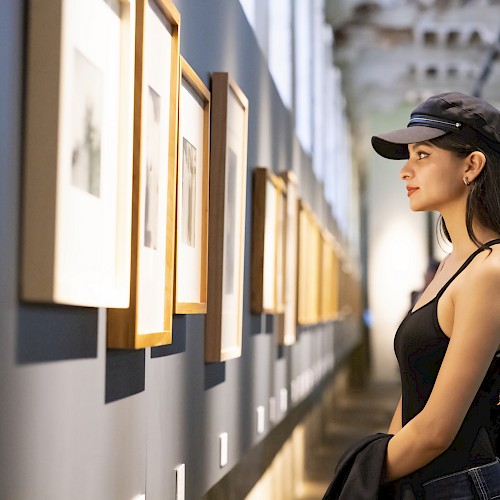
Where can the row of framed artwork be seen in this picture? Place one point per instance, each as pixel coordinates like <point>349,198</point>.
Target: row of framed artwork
<point>124,148</point>
<point>295,261</point>
<point>116,174</point>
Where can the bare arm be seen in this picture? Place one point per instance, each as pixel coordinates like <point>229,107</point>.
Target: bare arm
<point>474,341</point>
<point>396,422</point>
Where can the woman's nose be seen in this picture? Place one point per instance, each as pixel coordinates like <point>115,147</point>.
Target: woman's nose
<point>406,172</point>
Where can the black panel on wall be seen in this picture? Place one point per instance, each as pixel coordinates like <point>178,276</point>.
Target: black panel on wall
<point>261,324</point>
<point>56,333</point>
<point>215,374</point>
<point>125,373</point>
<point>178,345</point>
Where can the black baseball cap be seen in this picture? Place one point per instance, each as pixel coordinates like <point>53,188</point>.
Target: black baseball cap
<point>442,114</point>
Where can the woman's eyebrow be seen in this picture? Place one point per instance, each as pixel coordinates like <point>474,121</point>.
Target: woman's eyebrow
<point>418,144</point>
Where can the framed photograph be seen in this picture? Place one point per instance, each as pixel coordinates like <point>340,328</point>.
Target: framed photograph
<point>228,174</point>
<point>148,320</point>
<point>267,242</point>
<point>313,307</point>
<point>328,278</point>
<point>324,292</point>
<point>287,321</point>
<point>335,280</point>
<point>280,246</point>
<point>77,178</point>
<point>192,194</point>
<point>309,269</point>
<point>303,263</point>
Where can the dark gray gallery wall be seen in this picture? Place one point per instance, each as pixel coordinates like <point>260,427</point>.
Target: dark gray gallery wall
<point>81,422</point>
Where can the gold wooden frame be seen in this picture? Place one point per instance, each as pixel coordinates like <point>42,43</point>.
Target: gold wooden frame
<point>225,94</point>
<point>281,230</point>
<point>201,91</point>
<point>324,292</point>
<point>122,325</point>
<point>302,264</point>
<point>262,253</point>
<point>315,272</point>
<point>66,257</point>
<point>308,267</point>
<point>287,322</point>
<point>329,278</point>
<point>335,280</point>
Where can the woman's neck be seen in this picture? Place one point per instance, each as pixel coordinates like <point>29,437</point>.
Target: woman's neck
<point>463,246</point>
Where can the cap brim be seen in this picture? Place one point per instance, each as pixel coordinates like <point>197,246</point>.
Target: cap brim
<point>394,145</point>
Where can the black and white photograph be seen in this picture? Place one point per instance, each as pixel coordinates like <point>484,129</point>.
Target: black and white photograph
<point>229,226</point>
<point>228,176</point>
<point>152,166</point>
<point>78,105</point>
<point>148,319</point>
<point>188,193</point>
<point>87,125</point>
<point>193,164</point>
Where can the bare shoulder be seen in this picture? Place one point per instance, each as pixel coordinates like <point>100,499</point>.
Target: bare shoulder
<point>484,276</point>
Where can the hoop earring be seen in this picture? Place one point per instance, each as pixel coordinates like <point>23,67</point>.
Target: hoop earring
<point>466,181</point>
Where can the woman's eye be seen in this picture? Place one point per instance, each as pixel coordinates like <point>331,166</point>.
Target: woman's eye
<point>421,155</point>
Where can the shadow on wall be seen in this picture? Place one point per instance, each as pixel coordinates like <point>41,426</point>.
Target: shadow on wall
<point>126,369</point>
<point>56,333</point>
<point>48,333</point>
<point>261,324</point>
<point>125,373</point>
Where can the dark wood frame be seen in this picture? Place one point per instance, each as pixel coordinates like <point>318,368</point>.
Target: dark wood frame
<point>260,208</point>
<point>222,87</point>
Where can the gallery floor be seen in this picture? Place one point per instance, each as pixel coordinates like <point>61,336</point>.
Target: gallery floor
<point>356,414</point>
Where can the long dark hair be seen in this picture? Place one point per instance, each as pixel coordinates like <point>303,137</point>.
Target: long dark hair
<point>483,200</point>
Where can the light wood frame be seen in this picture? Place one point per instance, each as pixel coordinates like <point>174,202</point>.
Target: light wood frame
<point>77,176</point>
<point>201,94</point>
<point>315,272</point>
<point>229,122</point>
<point>308,267</point>
<point>281,230</point>
<point>267,242</point>
<point>335,280</point>
<point>324,291</point>
<point>133,328</point>
<point>329,278</point>
<point>287,322</point>
<point>302,263</point>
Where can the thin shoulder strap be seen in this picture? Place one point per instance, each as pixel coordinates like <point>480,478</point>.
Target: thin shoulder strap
<point>471,257</point>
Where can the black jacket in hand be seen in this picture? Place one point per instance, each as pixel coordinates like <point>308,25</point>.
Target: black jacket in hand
<point>359,473</point>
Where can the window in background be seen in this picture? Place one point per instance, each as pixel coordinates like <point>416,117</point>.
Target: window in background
<point>303,72</point>
<point>322,60</point>
<point>280,48</point>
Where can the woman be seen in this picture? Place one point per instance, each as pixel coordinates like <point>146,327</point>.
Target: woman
<point>443,439</point>
<point>446,424</point>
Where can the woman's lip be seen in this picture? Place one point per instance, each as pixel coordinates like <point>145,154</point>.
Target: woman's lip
<point>411,190</point>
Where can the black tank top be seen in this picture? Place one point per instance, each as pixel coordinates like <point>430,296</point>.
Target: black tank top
<point>420,345</point>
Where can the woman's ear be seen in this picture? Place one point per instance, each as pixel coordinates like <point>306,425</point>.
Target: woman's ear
<point>475,164</point>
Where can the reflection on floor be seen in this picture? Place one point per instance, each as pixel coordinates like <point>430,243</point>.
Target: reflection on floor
<point>356,414</point>
<point>303,468</point>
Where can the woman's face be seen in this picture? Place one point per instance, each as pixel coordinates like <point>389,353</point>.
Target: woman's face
<point>434,177</point>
